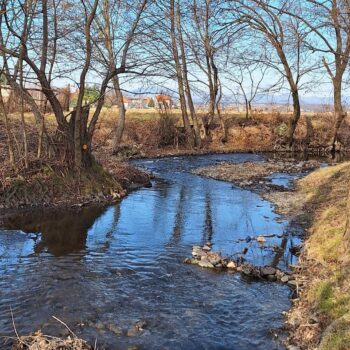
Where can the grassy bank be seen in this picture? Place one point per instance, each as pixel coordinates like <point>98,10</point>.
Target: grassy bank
<point>321,315</point>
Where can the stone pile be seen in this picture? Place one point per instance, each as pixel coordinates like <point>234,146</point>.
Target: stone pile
<point>206,258</point>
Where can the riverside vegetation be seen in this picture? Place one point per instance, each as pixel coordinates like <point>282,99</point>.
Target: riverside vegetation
<point>65,142</point>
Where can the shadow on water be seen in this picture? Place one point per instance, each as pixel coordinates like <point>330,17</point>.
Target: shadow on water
<point>100,266</point>
<point>61,231</point>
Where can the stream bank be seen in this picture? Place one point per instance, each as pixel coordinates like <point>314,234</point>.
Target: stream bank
<point>53,186</point>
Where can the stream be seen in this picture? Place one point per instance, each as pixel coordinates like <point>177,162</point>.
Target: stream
<point>96,267</point>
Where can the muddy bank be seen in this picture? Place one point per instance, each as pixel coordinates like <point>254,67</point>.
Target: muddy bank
<point>53,186</point>
<point>133,151</point>
<point>255,176</point>
<point>264,132</point>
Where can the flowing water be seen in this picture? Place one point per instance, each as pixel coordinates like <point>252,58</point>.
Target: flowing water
<point>98,267</point>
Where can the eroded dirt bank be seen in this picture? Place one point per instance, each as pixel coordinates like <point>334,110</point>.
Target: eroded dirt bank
<point>320,316</point>
<point>53,186</point>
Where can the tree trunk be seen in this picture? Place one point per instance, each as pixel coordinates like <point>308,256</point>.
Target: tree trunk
<point>24,129</point>
<point>338,109</point>
<point>196,128</point>
<point>212,98</point>
<point>40,141</point>
<point>121,119</point>
<point>183,106</point>
<point>250,109</point>
<point>246,109</point>
<point>224,130</point>
<point>8,132</point>
<point>79,147</point>
<point>295,118</point>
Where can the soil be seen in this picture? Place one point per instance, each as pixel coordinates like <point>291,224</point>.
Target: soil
<point>54,186</point>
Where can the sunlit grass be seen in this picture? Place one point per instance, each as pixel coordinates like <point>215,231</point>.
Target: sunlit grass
<point>329,292</point>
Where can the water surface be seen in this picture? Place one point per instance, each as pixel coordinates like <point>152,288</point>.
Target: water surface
<point>116,265</point>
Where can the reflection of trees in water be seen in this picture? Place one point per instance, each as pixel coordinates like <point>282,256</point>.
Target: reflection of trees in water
<point>179,218</point>
<point>280,253</point>
<point>246,212</point>
<point>162,202</point>
<point>208,219</point>
<point>62,231</point>
<point>110,233</point>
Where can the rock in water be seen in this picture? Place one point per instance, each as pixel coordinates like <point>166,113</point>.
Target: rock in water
<point>115,329</point>
<point>271,278</point>
<point>206,248</point>
<point>261,239</point>
<point>231,265</point>
<point>214,258</point>
<point>247,270</point>
<point>284,279</point>
<point>137,328</point>
<point>133,332</point>
<point>206,264</point>
<point>197,251</point>
<point>268,270</point>
<point>292,283</point>
<point>292,347</point>
<point>141,324</point>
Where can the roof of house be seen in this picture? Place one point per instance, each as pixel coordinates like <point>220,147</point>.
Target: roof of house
<point>163,98</point>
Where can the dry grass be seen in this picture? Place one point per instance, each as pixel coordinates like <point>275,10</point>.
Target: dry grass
<point>260,133</point>
<point>39,341</point>
<point>325,262</point>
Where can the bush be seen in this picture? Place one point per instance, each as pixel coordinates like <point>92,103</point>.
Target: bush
<point>167,132</point>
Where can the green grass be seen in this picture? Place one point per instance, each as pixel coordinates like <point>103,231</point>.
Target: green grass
<point>329,291</point>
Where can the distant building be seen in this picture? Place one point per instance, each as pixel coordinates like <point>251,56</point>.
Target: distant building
<point>138,102</point>
<point>164,102</point>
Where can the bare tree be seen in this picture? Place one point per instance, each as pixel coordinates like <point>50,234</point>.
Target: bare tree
<point>286,37</point>
<point>206,41</point>
<point>187,87</point>
<point>329,21</point>
<point>248,77</point>
<point>75,130</point>
<point>179,73</point>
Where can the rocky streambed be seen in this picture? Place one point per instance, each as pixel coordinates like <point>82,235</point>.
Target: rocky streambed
<point>206,258</point>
